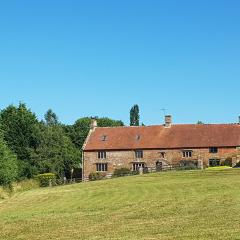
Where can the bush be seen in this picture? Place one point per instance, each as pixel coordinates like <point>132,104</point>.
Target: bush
<point>96,176</point>
<point>121,172</point>
<point>188,165</point>
<point>237,165</point>
<point>46,179</point>
<point>227,162</point>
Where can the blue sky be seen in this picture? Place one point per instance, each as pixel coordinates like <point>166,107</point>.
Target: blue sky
<point>84,58</point>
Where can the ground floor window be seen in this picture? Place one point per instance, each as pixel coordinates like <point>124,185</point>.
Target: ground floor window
<point>101,167</point>
<point>136,166</point>
<point>214,162</point>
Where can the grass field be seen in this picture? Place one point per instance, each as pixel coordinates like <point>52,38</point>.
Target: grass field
<point>170,205</point>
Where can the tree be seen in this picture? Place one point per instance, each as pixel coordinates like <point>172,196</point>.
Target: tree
<point>21,133</point>
<point>56,153</point>
<point>79,131</point>
<point>134,116</point>
<point>51,118</point>
<point>200,122</point>
<point>8,165</point>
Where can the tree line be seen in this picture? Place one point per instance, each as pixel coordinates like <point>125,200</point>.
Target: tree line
<point>29,146</point>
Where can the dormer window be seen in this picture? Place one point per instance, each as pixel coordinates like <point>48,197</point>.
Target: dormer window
<point>187,153</point>
<point>138,137</point>
<point>104,138</point>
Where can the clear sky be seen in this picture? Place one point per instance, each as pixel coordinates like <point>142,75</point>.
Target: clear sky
<point>84,58</point>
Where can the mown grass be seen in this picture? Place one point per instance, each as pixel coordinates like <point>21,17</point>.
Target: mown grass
<point>218,168</point>
<point>169,205</point>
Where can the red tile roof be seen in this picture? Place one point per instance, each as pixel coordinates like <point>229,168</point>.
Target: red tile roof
<point>160,137</point>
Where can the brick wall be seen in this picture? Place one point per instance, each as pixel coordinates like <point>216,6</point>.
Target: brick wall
<point>120,159</point>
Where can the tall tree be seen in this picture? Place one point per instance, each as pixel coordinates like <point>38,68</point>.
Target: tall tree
<point>56,153</point>
<point>51,117</point>
<point>8,165</point>
<point>134,116</point>
<point>21,133</point>
<point>79,131</point>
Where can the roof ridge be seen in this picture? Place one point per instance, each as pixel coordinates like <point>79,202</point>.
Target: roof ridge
<point>177,124</point>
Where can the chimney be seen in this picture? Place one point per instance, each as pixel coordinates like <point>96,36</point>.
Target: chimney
<point>93,123</point>
<point>168,121</point>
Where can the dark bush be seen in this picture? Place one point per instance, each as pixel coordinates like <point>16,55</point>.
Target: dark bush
<point>121,172</point>
<point>227,162</point>
<point>96,176</point>
<point>188,167</point>
<point>46,179</point>
<point>237,165</point>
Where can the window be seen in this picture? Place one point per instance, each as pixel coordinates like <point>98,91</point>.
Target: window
<point>139,154</point>
<point>213,150</point>
<point>104,138</point>
<point>214,162</point>
<point>101,167</point>
<point>187,154</point>
<point>138,137</point>
<point>102,154</point>
<point>136,166</point>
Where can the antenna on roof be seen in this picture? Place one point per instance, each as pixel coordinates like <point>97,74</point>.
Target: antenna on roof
<point>164,111</point>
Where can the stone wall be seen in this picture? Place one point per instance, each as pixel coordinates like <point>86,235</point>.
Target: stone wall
<point>120,159</point>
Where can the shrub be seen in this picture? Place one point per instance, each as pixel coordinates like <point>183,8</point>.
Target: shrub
<point>227,162</point>
<point>46,179</point>
<point>96,176</point>
<point>121,172</point>
<point>8,165</point>
<point>188,165</point>
<point>237,165</point>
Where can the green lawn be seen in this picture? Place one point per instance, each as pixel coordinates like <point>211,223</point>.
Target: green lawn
<point>170,205</point>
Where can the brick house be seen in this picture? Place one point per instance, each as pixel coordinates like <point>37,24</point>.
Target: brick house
<point>108,148</point>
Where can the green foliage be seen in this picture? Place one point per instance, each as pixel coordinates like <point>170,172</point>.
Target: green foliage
<point>21,133</point>
<point>96,176</point>
<point>56,153</point>
<point>121,172</point>
<point>8,165</point>
<point>51,118</point>
<point>46,179</point>
<point>46,146</point>
<point>227,162</point>
<point>79,131</point>
<point>237,165</point>
<point>134,116</point>
<point>188,165</point>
